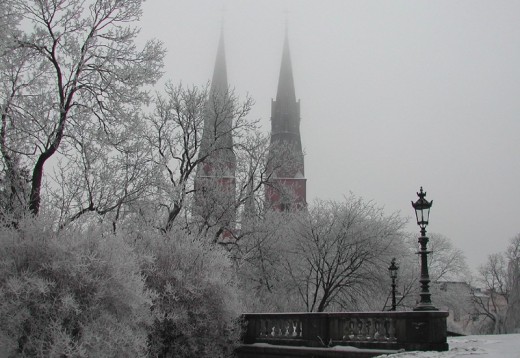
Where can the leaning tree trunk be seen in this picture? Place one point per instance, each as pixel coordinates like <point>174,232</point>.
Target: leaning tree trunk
<point>37,175</point>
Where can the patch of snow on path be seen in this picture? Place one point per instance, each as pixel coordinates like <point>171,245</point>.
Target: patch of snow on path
<point>491,346</point>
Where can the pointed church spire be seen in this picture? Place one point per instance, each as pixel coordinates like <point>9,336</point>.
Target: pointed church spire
<point>218,121</point>
<point>285,111</point>
<point>219,84</point>
<point>215,178</point>
<point>287,185</point>
<point>286,90</point>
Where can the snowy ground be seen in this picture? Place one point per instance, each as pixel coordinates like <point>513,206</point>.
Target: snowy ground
<point>499,346</point>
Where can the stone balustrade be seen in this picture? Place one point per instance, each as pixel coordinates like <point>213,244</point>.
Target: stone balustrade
<point>416,330</point>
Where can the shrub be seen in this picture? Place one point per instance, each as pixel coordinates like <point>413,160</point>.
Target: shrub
<point>76,293</point>
<point>196,302</point>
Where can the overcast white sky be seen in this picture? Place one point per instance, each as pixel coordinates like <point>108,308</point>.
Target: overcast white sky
<point>394,95</point>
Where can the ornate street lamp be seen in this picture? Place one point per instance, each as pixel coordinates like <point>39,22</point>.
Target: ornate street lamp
<point>393,275</point>
<point>422,213</point>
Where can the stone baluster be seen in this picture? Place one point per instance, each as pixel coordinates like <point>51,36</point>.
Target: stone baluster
<point>391,335</point>
<point>263,327</point>
<point>369,328</point>
<point>258,329</point>
<point>292,328</point>
<point>281,327</point>
<point>360,329</point>
<point>336,328</point>
<point>387,328</point>
<point>353,329</point>
<point>343,328</point>
<point>378,330</point>
<point>268,328</point>
<point>298,330</point>
<point>390,329</point>
<point>287,328</point>
<point>348,329</point>
<point>276,328</point>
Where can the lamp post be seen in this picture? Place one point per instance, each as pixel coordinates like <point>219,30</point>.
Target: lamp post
<point>422,213</point>
<point>393,275</point>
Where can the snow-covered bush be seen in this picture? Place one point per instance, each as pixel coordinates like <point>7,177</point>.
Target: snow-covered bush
<point>76,293</point>
<point>196,305</point>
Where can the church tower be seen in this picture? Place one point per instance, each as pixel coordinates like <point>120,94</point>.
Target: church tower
<point>215,177</point>
<point>286,187</point>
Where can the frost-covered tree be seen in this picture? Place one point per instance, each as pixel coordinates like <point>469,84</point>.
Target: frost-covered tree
<point>446,261</point>
<point>499,303</point>
<point>258,255</point>
<point>493,303</point>
<point>73,84</point>
<point>8,22</point>
<point>74,293</point>
<point>513,275</point>
<point>196,299</point>
<point>328,256</point>
<point>83,291</point>
<point>175,136</point>
<point>338,250</point>
<point>98,175</point>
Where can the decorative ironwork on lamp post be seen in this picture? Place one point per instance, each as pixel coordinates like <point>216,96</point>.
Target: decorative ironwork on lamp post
<point>422,213</point>
<point>393,275</point>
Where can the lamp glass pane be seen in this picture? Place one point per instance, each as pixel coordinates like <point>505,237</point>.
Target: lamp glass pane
<point>419,214</point>
<point>426,214</point>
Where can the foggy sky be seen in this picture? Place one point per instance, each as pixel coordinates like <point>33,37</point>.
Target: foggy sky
<point>394,95</point>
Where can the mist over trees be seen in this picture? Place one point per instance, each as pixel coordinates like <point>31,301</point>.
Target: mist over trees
<point>102,249</point>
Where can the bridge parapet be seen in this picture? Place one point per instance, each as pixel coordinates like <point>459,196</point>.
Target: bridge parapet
<point>416,330</point>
